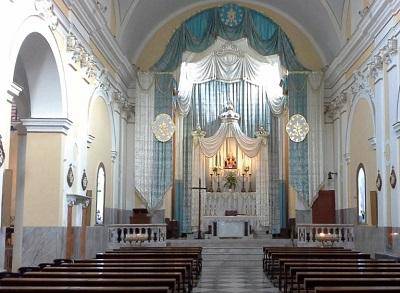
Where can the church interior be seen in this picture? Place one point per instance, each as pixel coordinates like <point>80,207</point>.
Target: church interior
<point>200,146</point>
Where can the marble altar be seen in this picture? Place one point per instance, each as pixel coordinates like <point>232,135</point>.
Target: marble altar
<point>229,226</point>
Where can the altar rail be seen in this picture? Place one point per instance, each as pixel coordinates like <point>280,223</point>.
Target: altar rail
<point>156,234</point>
<point>307,234</point>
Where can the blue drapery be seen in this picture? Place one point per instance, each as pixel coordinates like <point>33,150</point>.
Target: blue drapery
<point>298,152</point>
<point>162,151</point>
<point>209,99</point>
<point>201,30</point>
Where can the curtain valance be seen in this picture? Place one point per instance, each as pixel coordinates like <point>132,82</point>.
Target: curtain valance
<point>230,128</point>
<point>230,22</point>
<point>230,62</point>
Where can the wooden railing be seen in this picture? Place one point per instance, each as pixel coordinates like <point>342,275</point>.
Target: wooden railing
<point>307,234</point>
<point>120,235</point>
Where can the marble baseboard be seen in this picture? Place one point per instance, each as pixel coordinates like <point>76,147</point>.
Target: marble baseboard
<point>42,244</point>
<point>303,217</point>
<point>2,246</point>
<point>346,216</point>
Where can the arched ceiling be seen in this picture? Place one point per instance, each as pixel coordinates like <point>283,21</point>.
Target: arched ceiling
<point>320,20</point>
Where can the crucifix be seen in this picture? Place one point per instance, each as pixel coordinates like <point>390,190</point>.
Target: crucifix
<point>199,189</point>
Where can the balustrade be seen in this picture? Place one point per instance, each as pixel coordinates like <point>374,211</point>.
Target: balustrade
<point>307,234</point>
<point>118,235</point>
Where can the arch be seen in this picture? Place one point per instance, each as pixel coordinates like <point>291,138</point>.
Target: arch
<point>99,93</point>
<point>203,3</point>
<point>353,107</point>
<point>35,29</point>
<point>361,177</point>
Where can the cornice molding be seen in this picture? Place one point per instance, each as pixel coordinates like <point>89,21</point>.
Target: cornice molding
<point>47,125</point>
<point>93,22</point>
<point>380,13</point>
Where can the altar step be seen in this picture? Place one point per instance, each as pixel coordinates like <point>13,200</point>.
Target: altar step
<point>232,257</point>
<point>229,243</point>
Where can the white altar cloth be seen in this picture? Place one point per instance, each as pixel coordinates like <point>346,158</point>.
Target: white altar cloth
<point>229,226</point>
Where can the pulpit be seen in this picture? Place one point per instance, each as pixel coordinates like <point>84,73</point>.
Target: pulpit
<point>140,216</point>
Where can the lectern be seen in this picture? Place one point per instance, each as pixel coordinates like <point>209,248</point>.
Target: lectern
<point>140,216</point>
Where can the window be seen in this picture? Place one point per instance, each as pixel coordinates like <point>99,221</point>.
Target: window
<point>100,191</point>
<point>361,195</point>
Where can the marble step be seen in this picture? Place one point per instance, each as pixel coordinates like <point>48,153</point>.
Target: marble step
<point>232,250</point>
<point>232,263</point>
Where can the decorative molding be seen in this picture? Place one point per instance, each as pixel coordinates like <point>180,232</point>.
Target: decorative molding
<point>2,153</point>
<point>14,91</point>
<point>76,199</point>
<point>89,140</point>
<point>114,155</point>
<point>372,142</point>
<point>361,85</point>
<point>47,125</point>
<point>347,158</point>
<point>336,105</point>
<point>396,128</point>
<point>123,104</point>
<point>45,10</point>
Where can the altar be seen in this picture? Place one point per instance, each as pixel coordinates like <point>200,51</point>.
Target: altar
<point>229,226</point>
<point>234,168</point>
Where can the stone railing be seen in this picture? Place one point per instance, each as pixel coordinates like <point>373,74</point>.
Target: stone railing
<point>342,233</point>
<point>122,235</point>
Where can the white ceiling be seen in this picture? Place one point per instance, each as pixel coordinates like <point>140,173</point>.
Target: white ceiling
<point>320,20</point>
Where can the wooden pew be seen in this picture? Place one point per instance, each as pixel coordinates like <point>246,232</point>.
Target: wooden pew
<point>187,263</point>
<point>300,273</point>
<point>140,275</point>
<point>368,281</point>
<point>290,269</point>
<point>75,289</point>
<point>372,289</point>
<point>318,255</point>
<point>85,282</point>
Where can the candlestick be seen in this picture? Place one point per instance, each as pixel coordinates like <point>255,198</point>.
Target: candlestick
<point>211,183</point>
<point>250,183</point>
<point>243,189</point>
<point>218,186</point>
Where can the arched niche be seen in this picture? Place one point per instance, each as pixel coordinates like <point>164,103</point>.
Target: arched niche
<point>100,152</point>
<point>361,152</point>
<point>38,62</point>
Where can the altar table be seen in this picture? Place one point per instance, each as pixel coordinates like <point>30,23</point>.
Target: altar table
<point>229,226</point>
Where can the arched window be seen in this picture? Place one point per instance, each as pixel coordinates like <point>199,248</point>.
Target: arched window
<point>100,192</point>
<point>361,194</point>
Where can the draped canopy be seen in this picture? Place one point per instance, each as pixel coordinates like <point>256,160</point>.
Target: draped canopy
<point>230,128</point>
<point>230,22</point>
<point>231,62</point>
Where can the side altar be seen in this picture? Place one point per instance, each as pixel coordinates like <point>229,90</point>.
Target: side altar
<point>235,169</point>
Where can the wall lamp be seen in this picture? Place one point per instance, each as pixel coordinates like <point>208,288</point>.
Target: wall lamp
<point>330,175</point>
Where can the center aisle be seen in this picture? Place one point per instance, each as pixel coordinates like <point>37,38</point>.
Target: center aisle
<point>233,266</point>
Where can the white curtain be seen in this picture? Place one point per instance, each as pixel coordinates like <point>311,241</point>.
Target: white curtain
<point>144,113</point>
<point>315,97</point>
<point>230,62</point>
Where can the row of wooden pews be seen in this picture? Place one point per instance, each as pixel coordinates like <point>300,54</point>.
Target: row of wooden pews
<point>317,269</point>
<point>133,269</point>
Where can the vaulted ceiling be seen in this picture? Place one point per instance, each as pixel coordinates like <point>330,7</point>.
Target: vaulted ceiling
<point>320,20</point>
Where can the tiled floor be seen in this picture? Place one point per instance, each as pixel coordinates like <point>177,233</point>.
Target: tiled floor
<point>234,280</point>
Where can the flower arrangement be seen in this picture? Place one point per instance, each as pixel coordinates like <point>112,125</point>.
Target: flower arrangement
<point>230,181</point>
<point>215,170</point>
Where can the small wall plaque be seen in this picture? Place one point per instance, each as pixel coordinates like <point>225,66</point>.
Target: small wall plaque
<point>70,176</point>
<point>393,178</point>
<point>379,181</point>
<point>84,180</point>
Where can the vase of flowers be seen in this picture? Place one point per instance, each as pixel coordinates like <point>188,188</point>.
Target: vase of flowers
<point>230,181</point>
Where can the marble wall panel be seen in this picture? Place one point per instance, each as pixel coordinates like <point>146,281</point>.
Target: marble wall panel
<point>2,246</point>
<point>42,244</point>
<point>346,216</point>
<point>96,240</point>
<point>303,216</point>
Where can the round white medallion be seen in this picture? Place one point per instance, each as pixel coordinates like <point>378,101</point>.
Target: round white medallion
<point>163,127</point>
<point>297,128</point>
